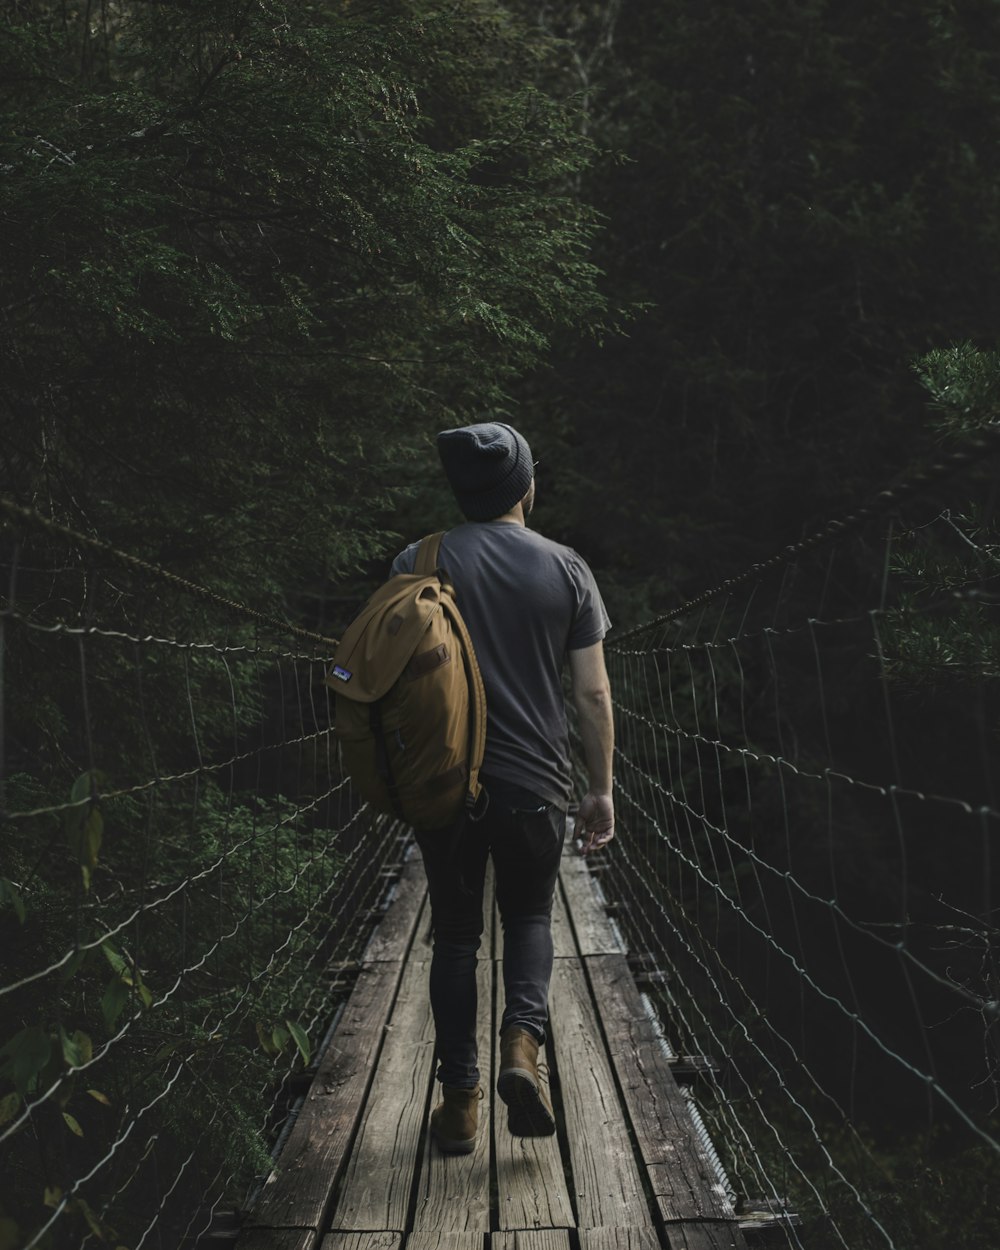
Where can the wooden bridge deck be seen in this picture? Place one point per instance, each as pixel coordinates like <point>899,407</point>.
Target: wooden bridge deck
<point>626,1171</point>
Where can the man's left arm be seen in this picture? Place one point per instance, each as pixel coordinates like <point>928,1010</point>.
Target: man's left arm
<point>595,821</point>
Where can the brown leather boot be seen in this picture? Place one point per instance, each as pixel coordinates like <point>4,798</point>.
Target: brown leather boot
<point>455,1119</point>
<point>520,1085</point>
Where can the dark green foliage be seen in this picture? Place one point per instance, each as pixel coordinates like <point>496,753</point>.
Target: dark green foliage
<point>254,255</point>
<point>247,271</point>
<point>199,1000</point>
<point>942,635</point>
<point>808,202</point>
<point>964,384</point>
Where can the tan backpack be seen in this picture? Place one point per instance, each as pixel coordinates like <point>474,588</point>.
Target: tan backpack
<point>410,707</point>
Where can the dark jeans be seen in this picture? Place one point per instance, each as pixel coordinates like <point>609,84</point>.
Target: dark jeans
<point>524,835</point>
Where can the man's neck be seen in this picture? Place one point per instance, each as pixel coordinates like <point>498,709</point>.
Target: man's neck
<point>514,517</point>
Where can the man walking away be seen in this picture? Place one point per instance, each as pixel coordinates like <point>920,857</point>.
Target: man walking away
<point>530,606</point>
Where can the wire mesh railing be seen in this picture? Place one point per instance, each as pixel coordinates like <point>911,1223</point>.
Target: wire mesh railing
<point>806,794</point>
<point>182,864</point>
<point>806,789</point>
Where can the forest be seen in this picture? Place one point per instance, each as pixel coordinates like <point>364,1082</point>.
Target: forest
<point>733,270</point>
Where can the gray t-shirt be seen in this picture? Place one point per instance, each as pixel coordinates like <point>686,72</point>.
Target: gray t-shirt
<point>526,601</point>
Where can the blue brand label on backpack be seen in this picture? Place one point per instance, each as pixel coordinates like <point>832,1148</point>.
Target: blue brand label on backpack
<point>342,673</point>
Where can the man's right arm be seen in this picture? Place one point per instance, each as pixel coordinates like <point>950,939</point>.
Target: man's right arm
<point>595,821</point>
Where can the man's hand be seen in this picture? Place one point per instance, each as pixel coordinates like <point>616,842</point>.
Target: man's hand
<point>595,822</point>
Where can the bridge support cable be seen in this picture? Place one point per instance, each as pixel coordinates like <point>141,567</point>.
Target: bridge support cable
<point>804,876</point>
<point>806,789</point>
<point>186,887</point>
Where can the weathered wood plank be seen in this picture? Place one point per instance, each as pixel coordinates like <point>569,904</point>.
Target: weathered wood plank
<point>607,1182</point>
<point>362,1241</point>
<point>531,1182</point>
<point>298,1190</point>
<point>563,942</point>
<point>675,1185</point>
<point>531,1239</point>
<point>491,920</point>
<point>394,934</point>
<point>684,1181</point>
<point>375,1193</point>
<point>644,1238</point>
<point>453,1194</point>
<point>429,1240</point>
<point>276,1239</point>
<point>704,1236</point>
<point>594,933</point>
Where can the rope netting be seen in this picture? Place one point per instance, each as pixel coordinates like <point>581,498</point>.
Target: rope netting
<point>186,885</point>
<point>806,789</point>
<point>806,797</point>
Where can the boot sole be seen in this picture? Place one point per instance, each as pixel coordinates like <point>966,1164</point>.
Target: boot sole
<point>527,1114</point>
<point>453,1146</point>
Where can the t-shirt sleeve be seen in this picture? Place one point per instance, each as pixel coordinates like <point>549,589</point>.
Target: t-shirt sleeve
<point>590,621</point>
<point>405,561</point>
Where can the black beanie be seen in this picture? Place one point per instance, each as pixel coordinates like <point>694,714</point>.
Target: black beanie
<point>489,467</point>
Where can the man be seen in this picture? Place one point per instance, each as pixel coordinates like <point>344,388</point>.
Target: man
<point>529,603</point>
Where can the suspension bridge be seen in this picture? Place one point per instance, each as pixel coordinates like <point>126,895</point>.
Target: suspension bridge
<point>775,1006</point>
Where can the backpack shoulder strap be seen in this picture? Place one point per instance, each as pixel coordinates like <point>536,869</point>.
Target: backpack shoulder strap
<point>477,700</point>
<point>427,554</point>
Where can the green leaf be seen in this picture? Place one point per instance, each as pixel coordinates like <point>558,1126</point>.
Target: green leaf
<point>279,1037</point>
<point>85,824</point>
<point>265,1039</point>
<point>301,1039</point>
<point>72,1123</point>
<point>164,1052</point>
<point>26,1054</point>
<point>77,1048</point>
<point>72,966</point>
<point>9,1106</point>
<point>103,1099</point>
<point>117,961</point>
<point>114,1001</point>
<point>93,834</point>
<point>82,788</point>
<point>10,896</point>
<point>52,1196</point>
<point>94,1223</point>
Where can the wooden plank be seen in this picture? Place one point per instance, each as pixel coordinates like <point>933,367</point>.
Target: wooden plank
<point>608,1185</point>
<point>379,1178</point>
<point>423,939</point>
<point>429,1240</point>
<point>491,921</point>
<point>563,942</point>
<point>685,1183</point>
<point>643,1238</point>
<point>276,1239</point>
<point>394,934</point>
<point>453,1195</point>
<point>595,935</point>
<point>531,1182</point>
<point>362,1241</point>
<point>297,1192</point>
<point>531,1239</point>
<point>704,1236</point>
